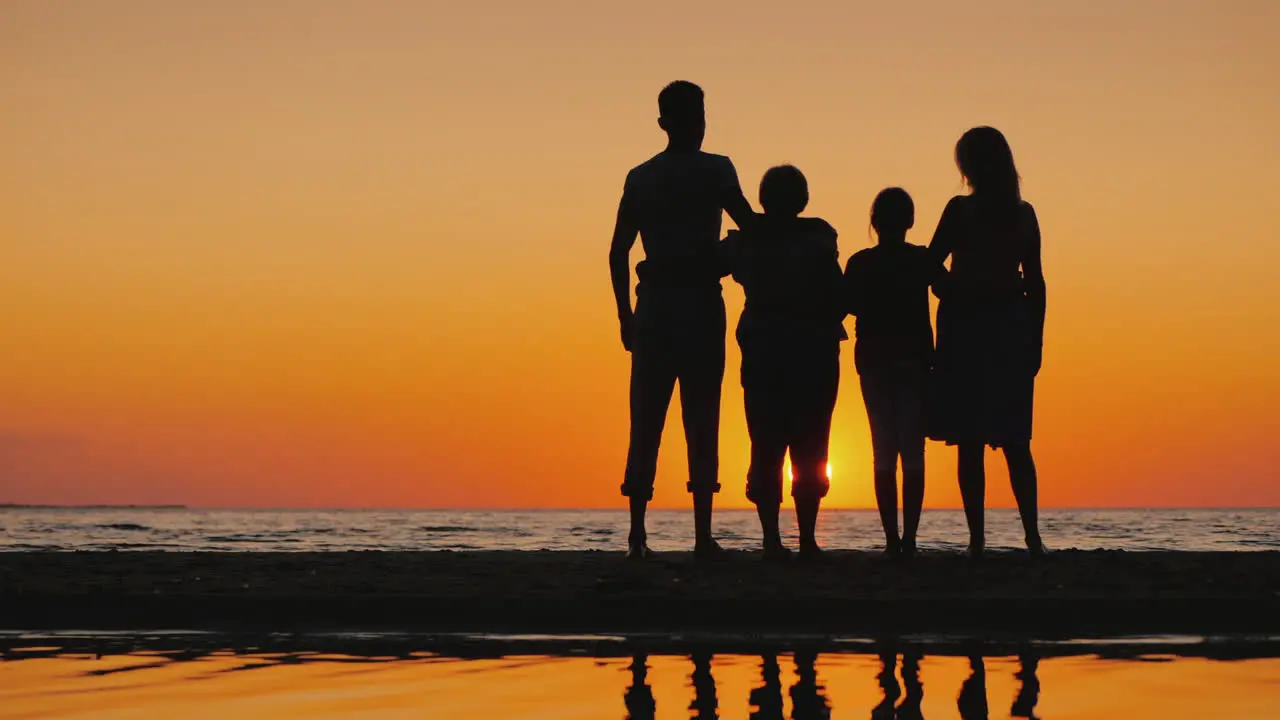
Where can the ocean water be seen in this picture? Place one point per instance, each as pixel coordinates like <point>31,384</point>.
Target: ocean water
<point>334,530</point>
<point>44,680</point>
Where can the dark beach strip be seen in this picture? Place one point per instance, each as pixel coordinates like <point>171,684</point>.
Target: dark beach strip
<point>1073,594</point>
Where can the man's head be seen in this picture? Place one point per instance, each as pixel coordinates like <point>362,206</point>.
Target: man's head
<point>784,191</point>
<point>682,115</point>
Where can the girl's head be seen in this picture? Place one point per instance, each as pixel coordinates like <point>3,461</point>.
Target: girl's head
<point>784,191</point>
<point>892,213</point>
<point>986,162</point>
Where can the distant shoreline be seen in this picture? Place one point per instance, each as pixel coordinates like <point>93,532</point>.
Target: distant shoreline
<point>1073,594</point>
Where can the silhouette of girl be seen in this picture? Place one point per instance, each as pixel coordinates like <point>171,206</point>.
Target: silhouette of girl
<point>990,329</point>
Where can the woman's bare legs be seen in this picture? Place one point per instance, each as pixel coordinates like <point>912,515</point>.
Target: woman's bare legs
<point>1022,475</point>
<point>973,490</point>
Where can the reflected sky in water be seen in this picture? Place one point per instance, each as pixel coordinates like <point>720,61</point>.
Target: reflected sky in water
<point>796,686</point>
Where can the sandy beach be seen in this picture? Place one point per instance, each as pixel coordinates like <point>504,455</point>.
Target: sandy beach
<point>1073,594</point>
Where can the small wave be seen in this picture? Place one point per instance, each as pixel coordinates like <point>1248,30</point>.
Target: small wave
<point>132,527</point>
<point>591,531</point>
<point>449,529</point>
<point>266,539</point>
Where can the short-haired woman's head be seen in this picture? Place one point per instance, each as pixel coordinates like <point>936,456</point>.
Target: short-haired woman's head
<point>893,212</point>
<point>784,191</point>
<point>985,160</point>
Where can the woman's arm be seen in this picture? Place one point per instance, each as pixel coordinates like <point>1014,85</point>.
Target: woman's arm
<point>944,242</point>
<point>1033,281</point>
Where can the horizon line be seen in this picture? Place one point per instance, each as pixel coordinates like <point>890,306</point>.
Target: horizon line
<point>374,508</point>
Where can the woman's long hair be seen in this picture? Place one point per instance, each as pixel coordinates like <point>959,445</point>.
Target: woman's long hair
<point>985,160</point>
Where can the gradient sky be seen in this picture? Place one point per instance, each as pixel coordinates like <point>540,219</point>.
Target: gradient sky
<point>328,253</point>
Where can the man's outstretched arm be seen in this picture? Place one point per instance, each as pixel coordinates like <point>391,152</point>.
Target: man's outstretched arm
<point>734,202</point>
<point>624,238</point>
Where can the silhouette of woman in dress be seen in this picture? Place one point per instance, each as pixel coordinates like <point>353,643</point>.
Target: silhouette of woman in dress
<point>990,329</point>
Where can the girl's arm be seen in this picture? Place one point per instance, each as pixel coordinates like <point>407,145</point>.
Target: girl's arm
<point>854,281</point>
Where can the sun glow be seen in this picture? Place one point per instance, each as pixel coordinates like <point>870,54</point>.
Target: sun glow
<point>791,474</point>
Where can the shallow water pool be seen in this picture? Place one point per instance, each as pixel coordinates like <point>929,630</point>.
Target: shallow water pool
<point>75,681</point>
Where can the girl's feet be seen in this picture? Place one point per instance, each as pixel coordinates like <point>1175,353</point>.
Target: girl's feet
<point>776,552</point>
<point>811,553</point>
<point>908,548</point>
<point>709,551</point>
<point>975,552</point>
<point>639,551</point>
<point>893,548</point>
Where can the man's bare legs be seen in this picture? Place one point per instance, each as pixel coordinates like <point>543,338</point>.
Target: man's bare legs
<point>652,383</point>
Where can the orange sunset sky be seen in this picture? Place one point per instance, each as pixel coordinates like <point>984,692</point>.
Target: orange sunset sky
<point>331,253</point>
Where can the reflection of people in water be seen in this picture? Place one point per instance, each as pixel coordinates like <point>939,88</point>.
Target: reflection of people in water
<point>910,707</point>
<point>808,698</point>
<point>638,698</point>
<point>888,686</point>
<point>704,705</point>
<point>1024,705</point>
<point>972,702</point>
<point>766,700</point>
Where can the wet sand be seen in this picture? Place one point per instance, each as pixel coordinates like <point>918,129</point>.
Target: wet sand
<point>1072,594</point>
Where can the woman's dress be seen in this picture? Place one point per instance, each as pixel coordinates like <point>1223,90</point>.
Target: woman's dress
<point>990,323</point>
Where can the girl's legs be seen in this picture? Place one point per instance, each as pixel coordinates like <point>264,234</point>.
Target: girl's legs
<point>973,487</point>
<point>911,443</point>
<point>877,395</point>
<point>1022,475</point>
<point>886,484</point>
<point>912,495</point>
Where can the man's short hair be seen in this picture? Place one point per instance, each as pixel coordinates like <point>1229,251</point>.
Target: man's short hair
<point>680,99</point>
<point>784,191</point>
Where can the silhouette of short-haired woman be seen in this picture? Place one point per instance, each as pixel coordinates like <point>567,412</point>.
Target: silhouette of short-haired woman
<point>990,329</point>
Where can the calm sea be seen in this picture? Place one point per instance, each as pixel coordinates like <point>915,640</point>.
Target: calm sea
<point>312,530</point>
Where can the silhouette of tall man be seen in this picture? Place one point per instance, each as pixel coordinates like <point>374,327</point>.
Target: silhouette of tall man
<point>674,202</point>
